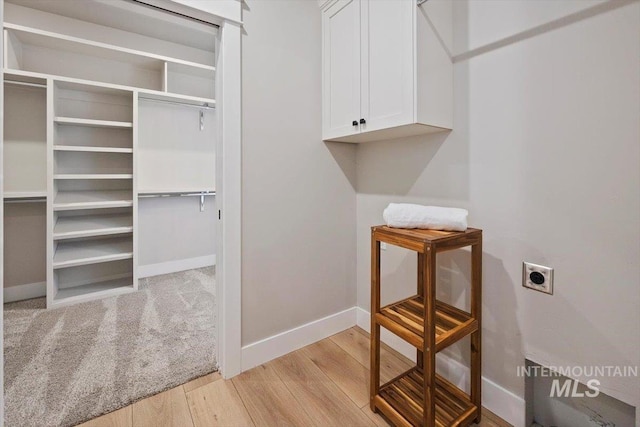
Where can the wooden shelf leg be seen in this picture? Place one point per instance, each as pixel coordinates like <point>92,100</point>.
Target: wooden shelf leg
<point>476,337</point>
<point>429,350</point>
<point>374,367</point>
<point>420,292</point>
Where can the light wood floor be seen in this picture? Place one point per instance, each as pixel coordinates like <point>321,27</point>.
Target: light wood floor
<point>324,384</point>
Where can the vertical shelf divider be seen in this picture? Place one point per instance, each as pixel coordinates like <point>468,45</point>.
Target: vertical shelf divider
<point>51,191</point>
<point>134,145</point>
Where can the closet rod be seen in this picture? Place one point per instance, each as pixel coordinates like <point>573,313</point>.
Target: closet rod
<point>177,194</point>
<point>14,82</point>
<point>201,194</point>
<point>182,104</point>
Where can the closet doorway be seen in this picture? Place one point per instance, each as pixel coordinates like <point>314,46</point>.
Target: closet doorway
<point>111,211</point>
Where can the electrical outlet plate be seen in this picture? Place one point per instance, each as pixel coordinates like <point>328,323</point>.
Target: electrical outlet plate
<point>537,277</point>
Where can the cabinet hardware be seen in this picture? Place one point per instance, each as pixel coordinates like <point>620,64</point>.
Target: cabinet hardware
<point>362,121</point>
<point>354,123</point>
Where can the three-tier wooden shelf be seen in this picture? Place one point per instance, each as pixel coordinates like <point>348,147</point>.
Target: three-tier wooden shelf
<point>421,397</point>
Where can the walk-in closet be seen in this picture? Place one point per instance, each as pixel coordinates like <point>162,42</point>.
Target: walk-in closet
<point>109,147</point>
<point>109,157</point>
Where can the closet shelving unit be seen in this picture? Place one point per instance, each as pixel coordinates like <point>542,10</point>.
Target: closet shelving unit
<point>92,90</point>
<point>25,184</point>
<point>84,240</point>
<point>157,75</point>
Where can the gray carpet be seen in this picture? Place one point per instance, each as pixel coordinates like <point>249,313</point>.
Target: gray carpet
<point>67,365</point>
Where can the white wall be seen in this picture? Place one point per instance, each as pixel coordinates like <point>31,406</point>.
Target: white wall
<point>173,230</point>
<point>175,155</point>
<point>545,155</point>
<point>298,221</point>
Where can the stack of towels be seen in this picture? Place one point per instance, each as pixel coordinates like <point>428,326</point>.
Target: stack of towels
<point>405,215</point>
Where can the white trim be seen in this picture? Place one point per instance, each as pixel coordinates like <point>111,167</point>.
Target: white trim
<point>229,198</point>
<point>151,270</point>
<point>495,398</point>
<point>285,342</point>
<point>25,291</point>
<point>214,12</point>
<point>2,222</point>
<point>324,4</point>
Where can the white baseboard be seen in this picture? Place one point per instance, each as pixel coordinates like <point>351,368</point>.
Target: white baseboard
<point>27,291</point>
<point>36,290</point>
<point>278,345</point>
<point>495,398</point>
<point>498,400</point>
<point>150,270</point>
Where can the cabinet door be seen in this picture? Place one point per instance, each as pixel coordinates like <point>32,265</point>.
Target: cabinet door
<point>388,56</point>
<point>341,69</point>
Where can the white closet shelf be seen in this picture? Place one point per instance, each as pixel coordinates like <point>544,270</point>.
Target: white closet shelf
<point>20,75</point>
<point>74,253</point>
<point>90,149</point>
<point>93,199</point>
<point>50,40</point>
<point>93,176</point>
<point>24,194</point>
<point>94,290</point>
<point>69,227</point>
<point>91,122</point>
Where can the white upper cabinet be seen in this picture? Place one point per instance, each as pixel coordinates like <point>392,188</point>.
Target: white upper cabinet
<point>341,68</point>
<point>387,71</point>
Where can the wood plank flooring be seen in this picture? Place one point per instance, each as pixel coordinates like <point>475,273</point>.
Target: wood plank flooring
<point>323,384</point>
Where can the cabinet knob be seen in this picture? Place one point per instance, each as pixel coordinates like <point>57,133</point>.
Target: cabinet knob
<point>362,121</point>
<point>354,123</point>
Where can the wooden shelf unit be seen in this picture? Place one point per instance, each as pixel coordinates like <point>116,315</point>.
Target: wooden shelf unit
<point>405,319</point>
<point>404,395</point>
<point>420,397</point>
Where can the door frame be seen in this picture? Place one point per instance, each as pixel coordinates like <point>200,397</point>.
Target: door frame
<point>227,14</point>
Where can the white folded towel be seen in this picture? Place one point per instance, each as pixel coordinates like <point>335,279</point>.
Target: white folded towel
<point>405,215</point>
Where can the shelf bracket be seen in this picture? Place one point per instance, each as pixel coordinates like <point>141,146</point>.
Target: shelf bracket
<point>202,202</point>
